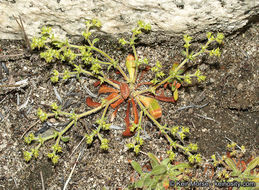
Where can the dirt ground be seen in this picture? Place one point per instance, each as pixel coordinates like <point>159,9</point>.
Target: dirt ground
<point>230,96</point>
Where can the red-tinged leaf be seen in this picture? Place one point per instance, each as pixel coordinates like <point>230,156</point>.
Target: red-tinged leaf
<point>111,96</point>
<point>105,89</point>
<point>165,99</point>
<point>162,92</point>
<point>174,84</point>
<point>125,91</point>
<point>115,81</point>
<point>143,72</point>
<point>152,105</point>
<point>97,83</point>
<point>243,165</point>
<point>118,102</point>
<point>135,111</point>
<point>166,183</point>
<point>178,85</point>
<point>117,72</point>
<point>166,84</point>
<point>91,103</point>
<point>127,132</point>
<point>114,114</point>
<point>143,83</point>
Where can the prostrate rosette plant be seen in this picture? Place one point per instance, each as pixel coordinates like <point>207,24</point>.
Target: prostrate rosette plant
<point>144,102</point>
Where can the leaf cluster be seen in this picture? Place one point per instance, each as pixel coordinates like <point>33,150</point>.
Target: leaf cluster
<point>161,174</point>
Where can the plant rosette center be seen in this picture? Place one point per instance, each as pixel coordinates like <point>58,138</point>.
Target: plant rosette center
<point>128,93</point>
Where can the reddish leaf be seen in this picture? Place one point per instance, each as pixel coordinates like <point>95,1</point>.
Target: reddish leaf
<point>143,83</point>
<point>143,72</point>
<point>127,132</point>
<point>91,103</point>
<point>135,111</point>
<point>165,85</point>
<point>111,96</point>
<point>118,102</point>
<point>243,165</point>
<point>105,89</point>
<point>125,91</point>
<point>178,85</point>
<point>115,81</point>
<point>165,99</point>
<point>166,183</point>
<point>97,83</point>
<point>152,105</point>
<point>117,72</point>
<point>114,114</point>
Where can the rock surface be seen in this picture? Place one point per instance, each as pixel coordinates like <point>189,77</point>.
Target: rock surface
<point>174,17</point>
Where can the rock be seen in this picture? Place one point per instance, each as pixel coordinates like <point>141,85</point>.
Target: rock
<point>167,17</point>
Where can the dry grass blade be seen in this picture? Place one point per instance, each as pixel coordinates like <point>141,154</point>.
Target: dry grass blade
<point>25,37</point>
<point>42,181</point>
<point>71,173</point>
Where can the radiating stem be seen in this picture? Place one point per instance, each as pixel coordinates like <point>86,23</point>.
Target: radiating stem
<point>98,108</point>
<point>159,126</point>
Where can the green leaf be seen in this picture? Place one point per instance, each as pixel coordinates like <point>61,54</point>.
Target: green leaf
<point>159,169</point>
<point>174,174</point>
<point>176,95</point>
<point>153,160</point>
<point>95,40</point>
<point>140,183</point>
<point>136,167</point>
<point>232,165</point>
<point>147,181</point>
<point>65,139</point>
<point>181,166</point>
<point>165,161</point>
<point>254,163</point>
<point>131,66</point>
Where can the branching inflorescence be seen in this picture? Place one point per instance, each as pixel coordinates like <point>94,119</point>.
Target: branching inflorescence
<point>145,102</point>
